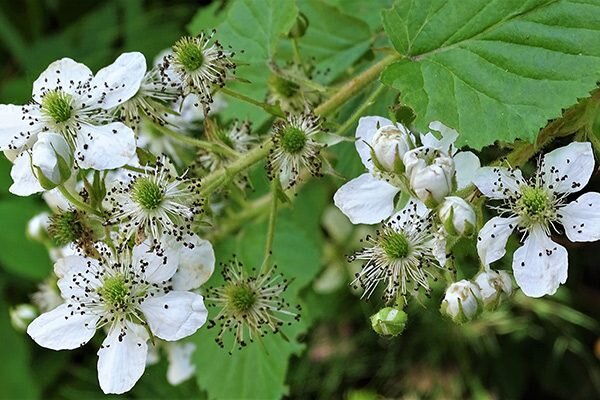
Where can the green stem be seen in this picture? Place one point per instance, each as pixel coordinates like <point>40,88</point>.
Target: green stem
<point>271,109</point>
<point>351,88</point>
<point>275,187</point>
<point>77,202</point>
<point>355,85</point>
<point>134,169</point>
<point>201,144</point>
<point>359,111</point>
<point>252,157</point>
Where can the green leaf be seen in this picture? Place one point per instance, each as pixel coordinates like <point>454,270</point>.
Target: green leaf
<point>368,11</point>
<point>20,255</point>
<point>208,17</point>
<point>259,370</point>
<point>253,28</point>
<point>493,70</point>
<point>334,39</point>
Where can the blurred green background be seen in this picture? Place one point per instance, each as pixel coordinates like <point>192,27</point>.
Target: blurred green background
<point>544,348</point>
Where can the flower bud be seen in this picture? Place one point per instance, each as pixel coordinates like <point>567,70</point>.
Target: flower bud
<point>52,160</point>
<point>457,216</point>
<point>462,301</point>
<point>494,287</point>
<point>22,315</point>
<point>37,227</point>
<point>431,174</point>
<point>389,145</point>
<point>389,321</point>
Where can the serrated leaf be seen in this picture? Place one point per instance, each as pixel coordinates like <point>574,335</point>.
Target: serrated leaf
<point>253,28</point>
<point>493,70</point>
<point>334,39</point>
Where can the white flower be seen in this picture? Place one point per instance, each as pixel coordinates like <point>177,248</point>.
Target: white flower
<point>370,198</point>
<point>198,65</point>
<point>494,286</point>
<point>295,147</point>
<point>403,255</point>
<point>155,203</point>
<point>458,216</point>
<point>431,174</point>
<point>534,207</point>
<point>130,295</point>
<point>462,301</point>
<point>68,100</point>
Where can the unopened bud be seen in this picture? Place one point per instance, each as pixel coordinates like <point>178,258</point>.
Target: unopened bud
<point>494,286</point>
<point>389,145</point>
<point>462,301</point>
<point>389,321</point>
<point>52,160</point>
<point>458,216</point>
<point>431,174</point>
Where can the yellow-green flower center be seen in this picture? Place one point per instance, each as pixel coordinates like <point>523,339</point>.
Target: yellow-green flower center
<point>395,245</point>
<point>58,106</point>
<point>241,297</point>
<point>293,140</point>
<point>283,87</point>
<point>535,203</point>
<point>115,291</point>
<point>147,193</point>
<point>188,53</point>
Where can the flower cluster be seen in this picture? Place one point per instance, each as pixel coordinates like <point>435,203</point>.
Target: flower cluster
<point>110,153</point>
<point>429,172</point>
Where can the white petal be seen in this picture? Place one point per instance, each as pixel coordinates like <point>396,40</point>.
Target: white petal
<point>366,129</point>
<point>72,271</point>
<point>492,238</point>
<point>56,201</point>
<point>540,265</point>
<point>120,81</point>
<point>494,182</point>
<point>196,264</point>
<point>175,315</point>
<point>467,165</point>
<point>414,206</point>
<point>157,264</point>
<point>581,218</point>
<point>444,144</point>
<point>17,126</point>
<point>65,74</point>
<point>568,169</point>
<point>24,181</point>
<point>366,199</point>
<point>181,367</point>
<point>63,328</point>
<point>45,153</point>
<point>122,358</point>
<point>105,147</point>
